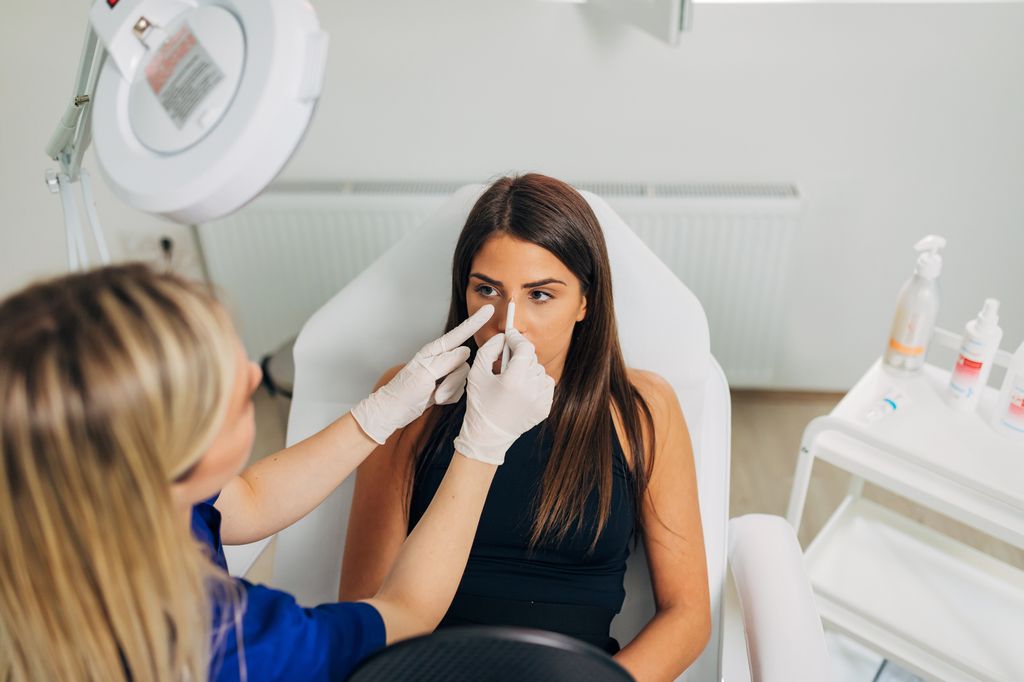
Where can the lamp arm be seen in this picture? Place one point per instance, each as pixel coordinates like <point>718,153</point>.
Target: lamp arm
<point>73,133</point>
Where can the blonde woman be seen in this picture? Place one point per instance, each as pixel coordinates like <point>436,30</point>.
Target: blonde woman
<point>125,416</point>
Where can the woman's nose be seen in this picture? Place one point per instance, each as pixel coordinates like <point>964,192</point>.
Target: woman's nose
<point>502,316</point>
<point>502,313</point>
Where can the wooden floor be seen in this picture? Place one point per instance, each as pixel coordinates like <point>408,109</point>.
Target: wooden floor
<point>766,431</point>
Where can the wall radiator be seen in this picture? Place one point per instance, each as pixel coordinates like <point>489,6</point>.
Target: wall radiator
<point>281,257</point>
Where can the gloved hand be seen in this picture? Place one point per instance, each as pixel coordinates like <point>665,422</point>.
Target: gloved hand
<point>502,407</point>
<point>414,389</point>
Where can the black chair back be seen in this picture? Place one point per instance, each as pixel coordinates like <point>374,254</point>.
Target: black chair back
<point>494,654</point>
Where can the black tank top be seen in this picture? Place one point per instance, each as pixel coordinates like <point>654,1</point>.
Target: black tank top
<point>501,564</point>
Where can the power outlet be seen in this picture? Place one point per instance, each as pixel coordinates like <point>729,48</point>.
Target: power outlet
<point>174,249</point>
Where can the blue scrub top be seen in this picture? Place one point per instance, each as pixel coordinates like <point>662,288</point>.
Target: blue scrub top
<point>280,639</point>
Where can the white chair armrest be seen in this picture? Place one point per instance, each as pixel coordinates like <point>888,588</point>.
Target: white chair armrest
<point>785,640</point>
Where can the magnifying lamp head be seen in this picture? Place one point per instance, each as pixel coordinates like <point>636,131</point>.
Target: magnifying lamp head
<point>200,103</point>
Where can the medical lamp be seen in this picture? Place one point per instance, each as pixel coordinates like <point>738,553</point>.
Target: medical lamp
<point>195,106</point>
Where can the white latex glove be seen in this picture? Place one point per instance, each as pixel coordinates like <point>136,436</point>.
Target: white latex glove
<point>502,407</point>
<point>414,389</point>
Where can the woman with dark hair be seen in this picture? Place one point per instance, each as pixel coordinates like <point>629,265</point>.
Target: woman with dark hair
<point>612,463</point>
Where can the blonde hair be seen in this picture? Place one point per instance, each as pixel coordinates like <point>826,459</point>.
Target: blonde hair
<point>113,383</point>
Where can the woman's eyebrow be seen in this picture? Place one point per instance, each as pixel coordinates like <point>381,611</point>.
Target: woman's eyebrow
<point>542,282</point>
<point>528,285</point>
<point>487,279</point>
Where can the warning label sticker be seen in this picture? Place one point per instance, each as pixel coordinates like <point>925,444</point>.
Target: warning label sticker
<point>182,75</point>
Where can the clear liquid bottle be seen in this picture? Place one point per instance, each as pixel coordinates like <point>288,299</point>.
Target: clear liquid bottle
<point>916,309</point>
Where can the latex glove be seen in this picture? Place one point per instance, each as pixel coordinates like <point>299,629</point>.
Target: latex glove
<point>502,407</point>
<point>414,389</point>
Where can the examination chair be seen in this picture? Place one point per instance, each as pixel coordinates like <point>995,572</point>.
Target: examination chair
<point>399,302</point>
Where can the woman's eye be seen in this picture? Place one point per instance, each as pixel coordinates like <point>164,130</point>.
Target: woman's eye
<point>540,296</point>
<point>486,290</point>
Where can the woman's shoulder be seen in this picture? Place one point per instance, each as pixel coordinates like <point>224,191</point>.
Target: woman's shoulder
<point>654,389</point>
<point>660,398</point>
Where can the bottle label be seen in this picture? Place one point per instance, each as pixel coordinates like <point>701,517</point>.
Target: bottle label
<point>910,336</point>
<point>905,350</point>
<point>965,376</point>
<point>1014,417</point>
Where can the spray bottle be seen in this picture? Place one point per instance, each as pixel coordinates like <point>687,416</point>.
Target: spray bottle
<point>916,309</point>
<point>970,374</point>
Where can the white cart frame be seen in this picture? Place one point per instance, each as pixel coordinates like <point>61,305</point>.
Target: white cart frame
<point>940,608</point>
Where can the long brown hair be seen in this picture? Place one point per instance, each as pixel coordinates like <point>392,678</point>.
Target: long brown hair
<point>112,384</point>
<point>548,212</point>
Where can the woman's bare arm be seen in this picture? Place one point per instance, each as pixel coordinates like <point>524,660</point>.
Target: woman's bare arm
<point>378,520</point>
<point>674,543</point>
<point>422,582</point>
<point>381,563</point>
<point>280,489</point>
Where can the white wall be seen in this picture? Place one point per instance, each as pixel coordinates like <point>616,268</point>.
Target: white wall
<point>895,121</point>
<point>40,43</point>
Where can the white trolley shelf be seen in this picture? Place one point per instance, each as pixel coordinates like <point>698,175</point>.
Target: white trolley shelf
<point>940,608</point>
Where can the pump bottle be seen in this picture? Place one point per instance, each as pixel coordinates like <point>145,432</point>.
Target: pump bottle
<point>916,309</point>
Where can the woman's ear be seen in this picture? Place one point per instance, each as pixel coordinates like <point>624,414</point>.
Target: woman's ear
<point>583,310</point>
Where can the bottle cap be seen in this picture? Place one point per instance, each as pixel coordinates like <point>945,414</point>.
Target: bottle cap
<point>988,318</point>
<point>929,263</point>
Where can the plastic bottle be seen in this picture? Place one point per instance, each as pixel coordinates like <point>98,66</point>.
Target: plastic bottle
<point>916,309</point>
<point>981,341</point>
<point>1008,417</point>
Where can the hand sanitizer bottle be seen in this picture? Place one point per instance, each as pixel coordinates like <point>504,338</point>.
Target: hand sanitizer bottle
<point>970,374</point>
<point>916,309</point>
